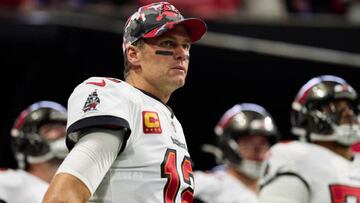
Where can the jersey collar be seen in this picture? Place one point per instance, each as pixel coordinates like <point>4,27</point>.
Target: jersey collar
<point>156,98</point>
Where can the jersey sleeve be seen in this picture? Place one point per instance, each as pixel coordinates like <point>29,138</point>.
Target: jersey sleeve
<point>89,160</point>
<point>98,102</point>
<point>285,189</point>
<point>283,161</point>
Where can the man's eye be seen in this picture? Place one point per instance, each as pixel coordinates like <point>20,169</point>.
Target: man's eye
<point>168,44</point>
<point>187,46</point>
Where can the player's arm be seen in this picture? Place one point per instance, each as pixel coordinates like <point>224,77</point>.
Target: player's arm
<point>285,189</point>
<point>66,188</point>
<point>85,166</point>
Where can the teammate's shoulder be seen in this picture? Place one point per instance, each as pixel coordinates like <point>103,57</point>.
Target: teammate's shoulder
<point>216,174</point>
<point>13,178</point>
<point>284,157</point>
<point>209,178</point>
<point>287,145</point>
<point>289,150</point>
<point>202,173</point>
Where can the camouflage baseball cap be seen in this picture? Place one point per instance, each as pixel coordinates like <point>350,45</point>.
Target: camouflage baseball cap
<point>154,19</point>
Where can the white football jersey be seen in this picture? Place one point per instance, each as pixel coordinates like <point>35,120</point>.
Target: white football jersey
<point>220,187</point>
<point>329,177</point>
<point>154,166</point>
<point>19,186</point>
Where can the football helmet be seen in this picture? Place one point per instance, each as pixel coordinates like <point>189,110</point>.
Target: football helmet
<point>311,123</point>
<point>244,119</point>
<point>29,146</point>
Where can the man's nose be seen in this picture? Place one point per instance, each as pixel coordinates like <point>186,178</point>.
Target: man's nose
<point>346,110</point>
<point>181,53</point>
<point>348,116</point>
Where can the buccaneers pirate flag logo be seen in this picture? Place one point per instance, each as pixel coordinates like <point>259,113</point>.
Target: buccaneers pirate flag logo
<point>91,102</point>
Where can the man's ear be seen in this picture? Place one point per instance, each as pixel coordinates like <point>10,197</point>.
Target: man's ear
<point>133,54</point>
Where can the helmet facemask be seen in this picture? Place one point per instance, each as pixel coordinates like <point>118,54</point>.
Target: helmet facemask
<point>325,109</point>
<point>29,142</point>
<point>249,151</point>
<point>245,122</point>
<point>334,124</point>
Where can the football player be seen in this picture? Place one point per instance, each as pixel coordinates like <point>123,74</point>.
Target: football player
<point>321,167</point>
<point>126,143</point>
<point>245,133</point>
<point>38,140</point>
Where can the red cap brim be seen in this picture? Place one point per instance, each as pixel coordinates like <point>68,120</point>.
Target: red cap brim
<point>196,28</point>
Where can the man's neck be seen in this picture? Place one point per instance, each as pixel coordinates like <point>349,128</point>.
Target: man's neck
<point>250,183</point>
<point>44,171</point>
<point>143,85</point>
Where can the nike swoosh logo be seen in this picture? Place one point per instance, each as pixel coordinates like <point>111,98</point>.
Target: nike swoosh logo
<point>100,84</point>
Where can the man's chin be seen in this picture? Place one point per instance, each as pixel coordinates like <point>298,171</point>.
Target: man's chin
<point>179,83</point>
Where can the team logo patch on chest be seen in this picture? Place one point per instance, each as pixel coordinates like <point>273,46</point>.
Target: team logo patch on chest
<point>151,122</point>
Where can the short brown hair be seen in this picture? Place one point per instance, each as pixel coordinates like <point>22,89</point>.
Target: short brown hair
<point>140,44</point>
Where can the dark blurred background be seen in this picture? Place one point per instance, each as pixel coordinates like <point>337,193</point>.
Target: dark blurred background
<point>253,52</point>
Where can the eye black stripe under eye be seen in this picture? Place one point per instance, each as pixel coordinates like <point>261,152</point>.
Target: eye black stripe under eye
<point>163,52</point>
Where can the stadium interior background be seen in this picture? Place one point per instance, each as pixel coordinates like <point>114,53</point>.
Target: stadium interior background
<point>44,55</point>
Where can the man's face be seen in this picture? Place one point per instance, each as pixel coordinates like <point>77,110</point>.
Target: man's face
<point>52,131</point>
<point>253,147</point>
<point>341,110</point>
<point>164,60</point>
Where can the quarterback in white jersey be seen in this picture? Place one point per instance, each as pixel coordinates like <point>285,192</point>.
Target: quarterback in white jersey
<point>154,164</point>
<point>126,143</point>
<point>18,186</point>
<point>245,133</point>
<point>322,166</point>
